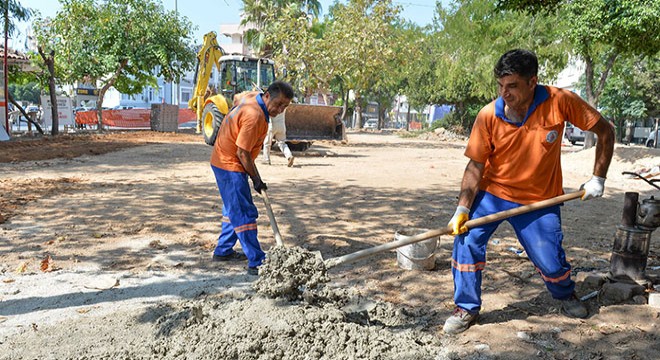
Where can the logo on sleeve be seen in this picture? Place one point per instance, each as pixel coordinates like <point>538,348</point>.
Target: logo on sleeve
<point>551,137</point>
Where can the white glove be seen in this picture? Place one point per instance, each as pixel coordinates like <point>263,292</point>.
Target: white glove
<point>593,188</point>
<point>457,222</point>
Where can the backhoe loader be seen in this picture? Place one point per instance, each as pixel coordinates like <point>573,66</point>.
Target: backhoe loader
<point>238,73</point>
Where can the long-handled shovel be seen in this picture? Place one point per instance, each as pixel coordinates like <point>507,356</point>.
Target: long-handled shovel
<point>271,218</point>
<point>447,230</point>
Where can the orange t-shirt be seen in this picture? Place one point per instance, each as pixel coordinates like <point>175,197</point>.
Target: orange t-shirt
<point>522,163</point>
<point>245,126</point>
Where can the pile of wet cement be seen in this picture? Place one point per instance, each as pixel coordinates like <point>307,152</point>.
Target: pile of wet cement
<point>238,326</point>
<point>289,271</point>
<point>328,323</point>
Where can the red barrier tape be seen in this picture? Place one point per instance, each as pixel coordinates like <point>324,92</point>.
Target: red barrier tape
<point>128,118</point>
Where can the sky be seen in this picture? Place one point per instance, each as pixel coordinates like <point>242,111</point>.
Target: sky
<point>209,14</point>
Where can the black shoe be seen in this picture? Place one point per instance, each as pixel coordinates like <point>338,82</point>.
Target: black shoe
<point>254,271</point>
<point>235,256</point>
<point>573,307</point>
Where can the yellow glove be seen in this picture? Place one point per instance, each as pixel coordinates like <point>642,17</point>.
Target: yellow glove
<point>457,222</point>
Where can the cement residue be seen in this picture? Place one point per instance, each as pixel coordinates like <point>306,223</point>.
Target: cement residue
<point>288,271</point>
<point>223,328</point>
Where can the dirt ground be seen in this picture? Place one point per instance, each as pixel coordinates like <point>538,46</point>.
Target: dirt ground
<point>106,240</point>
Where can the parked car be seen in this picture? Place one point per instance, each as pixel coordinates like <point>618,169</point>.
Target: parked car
<point>370,124</point>
<point>82,108</point>
<point>573,134</point>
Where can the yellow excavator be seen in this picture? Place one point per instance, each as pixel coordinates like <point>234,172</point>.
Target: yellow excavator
<point>238,73</point>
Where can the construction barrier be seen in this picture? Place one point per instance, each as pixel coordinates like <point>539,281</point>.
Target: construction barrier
<point>128,118</point>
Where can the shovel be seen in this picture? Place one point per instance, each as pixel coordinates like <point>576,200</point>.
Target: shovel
<point>332,262</point>
<point>271,218</point>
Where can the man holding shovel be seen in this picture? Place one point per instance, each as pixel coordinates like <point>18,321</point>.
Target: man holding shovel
<point>514,151</point>
<point>237,146</point>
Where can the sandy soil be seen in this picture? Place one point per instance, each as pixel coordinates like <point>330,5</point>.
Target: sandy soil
<point>105,249</point>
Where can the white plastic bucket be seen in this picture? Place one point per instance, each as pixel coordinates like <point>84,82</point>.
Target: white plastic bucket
<point>416,256</point>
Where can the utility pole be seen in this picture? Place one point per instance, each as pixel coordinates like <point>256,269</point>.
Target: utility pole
<point>175,86</point>
<point>4,69</point>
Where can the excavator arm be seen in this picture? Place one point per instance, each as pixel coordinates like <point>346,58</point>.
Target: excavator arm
<point>208,56</point>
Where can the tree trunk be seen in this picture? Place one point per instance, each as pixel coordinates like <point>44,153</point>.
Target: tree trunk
<point>344,109</point>
<point>29,119</point>
<point>398,105</point>
<point>99,106</point>
<point>358,111</point>
<point>594,91</point>
<point>381,116</point>
<point>104,88</point>
<point>49,60</point>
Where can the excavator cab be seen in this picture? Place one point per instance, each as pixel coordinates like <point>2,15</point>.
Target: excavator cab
<point>240,73</point>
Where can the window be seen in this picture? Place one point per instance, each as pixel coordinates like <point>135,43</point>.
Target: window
<point>185,96</point>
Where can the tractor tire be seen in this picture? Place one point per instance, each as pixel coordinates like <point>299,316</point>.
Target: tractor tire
<point>211,120</point>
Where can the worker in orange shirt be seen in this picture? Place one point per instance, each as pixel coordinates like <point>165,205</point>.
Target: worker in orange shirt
<point>514,159</point>
<point>239,141</point>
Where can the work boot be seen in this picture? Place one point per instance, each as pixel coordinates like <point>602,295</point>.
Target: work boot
<point>459,321</point>
<point>573,307</point>
<point>235,256</point>
<point>254,271</point>
<point>291,161</point>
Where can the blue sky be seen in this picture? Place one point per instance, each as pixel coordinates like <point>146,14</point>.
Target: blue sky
<point>209,14</point>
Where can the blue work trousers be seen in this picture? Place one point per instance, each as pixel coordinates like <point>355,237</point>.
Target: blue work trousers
<point>539,233</point>
<point>239,216</point>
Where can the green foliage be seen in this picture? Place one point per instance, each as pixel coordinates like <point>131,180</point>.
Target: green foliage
<point>266,15</point>
<point>29,92</point>
<point>457,59</point>
<point>631,91</point>
<point>16,12</point>
<point>622,26</point>
<point>125,43</point>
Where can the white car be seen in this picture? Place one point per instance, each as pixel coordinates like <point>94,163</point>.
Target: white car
<point>573,134</point>
<point>370,124</point>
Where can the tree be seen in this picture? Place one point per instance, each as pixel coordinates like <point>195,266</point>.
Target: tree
<point>603,31</point>
<point>264,14</point>
<point>631,91</point>
<point>299,48</point>
<point>470,36</point>
<point>47,41</point>
<point>15,12</point>
<point>359,35</point>
<point>394,78</point>
<point>122,43</point>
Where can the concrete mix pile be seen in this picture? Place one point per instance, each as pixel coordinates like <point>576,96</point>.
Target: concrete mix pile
<point>292,315</point>
<point>288,271</point>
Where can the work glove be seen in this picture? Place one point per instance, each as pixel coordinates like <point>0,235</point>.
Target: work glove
<point>457,222</point>
<point>259,185</point>
<point>593,188</point>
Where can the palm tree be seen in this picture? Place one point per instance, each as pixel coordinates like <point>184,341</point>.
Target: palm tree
<point>258,13</point>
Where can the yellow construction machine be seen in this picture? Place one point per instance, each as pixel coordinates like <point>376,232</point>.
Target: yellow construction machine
<point>238,73</point>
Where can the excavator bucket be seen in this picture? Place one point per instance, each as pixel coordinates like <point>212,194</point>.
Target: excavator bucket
<point>305,123</point>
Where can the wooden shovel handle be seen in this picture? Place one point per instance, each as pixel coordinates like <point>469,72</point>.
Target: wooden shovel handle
<point>448,230</point>
<point>271,218</point>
